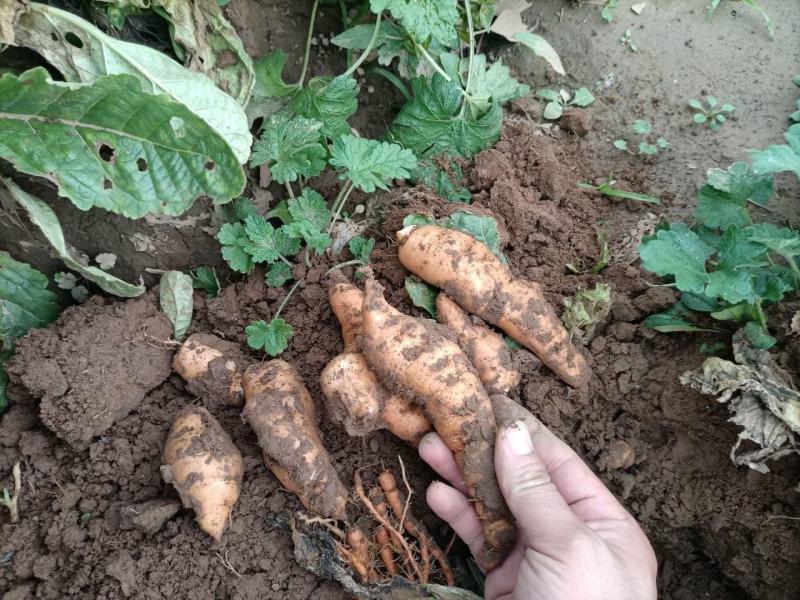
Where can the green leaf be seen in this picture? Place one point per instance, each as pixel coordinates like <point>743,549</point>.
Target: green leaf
<point>736,252</point>
<point>742,183</point>
<point>719,209</point>
<point>269,76</point>
<point>649,149</point>
<point>331,101</point>
<point>553,110</point>
<point>662,143</point>
<point>492,83</point>
<point>424,19</point>
<point>371,164</point>
<point>175,297</point>
<point>267,244</point>
<point>65,281</point>
<point>279,273</point>
<point>310,207</point>
<point>482,227</point>
<point>758,337</point>
<point>83,53</point>
<point>620,144</point>
<point>548,94</point>
<point>583,97</point>
<point>358,37</point>
<point>429,174</point>
<point>272,337</point>
<point>431,123</point>
<point>782,240</point>
<point>541,48</point>
<point>730,286</point>
<point>416,219</point>
<point>728,108</point>
<point>234,240</point>
<point>775,159</point>
<point>642,127</point>
<point>111,145</point>
<point>25,301</point>
<point>361,249</point>
<point>678,252</point>
<point>711,348</point>
<point>673,320</point>
<point>243,207</point>
<point>205,278</point>
<point>281,211</point>
<point>696,104</point>
<point>699,302</point>
<point>46,220</point>
<point>207,42</point>
<point>422,295</point>
<point>290,148</point>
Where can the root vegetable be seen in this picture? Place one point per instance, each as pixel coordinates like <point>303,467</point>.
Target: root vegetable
<point>354,396</point>
<point>356,400</point>
<point>486,350</point>
<point>411,355</point>
<point>476,279</point>
<point>360,556</point>
<point>204,465</point>
<point>212,368</point>
<point>385,550</point>
<point>281,412</point>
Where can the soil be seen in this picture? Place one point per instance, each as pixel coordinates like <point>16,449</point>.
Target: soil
<point>98,521</point>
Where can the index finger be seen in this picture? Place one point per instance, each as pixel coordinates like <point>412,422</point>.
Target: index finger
<point>583,491</point>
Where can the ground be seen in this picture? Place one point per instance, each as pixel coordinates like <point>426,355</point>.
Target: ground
<point>720,532</point>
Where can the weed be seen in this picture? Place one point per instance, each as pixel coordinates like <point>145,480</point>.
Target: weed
<point>607,189</point>
<point>627,41</point>
<point>647,145</point>
<point>561,100</point>
<point>712,113</point>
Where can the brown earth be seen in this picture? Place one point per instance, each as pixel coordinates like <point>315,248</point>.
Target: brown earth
<point>99,522</point>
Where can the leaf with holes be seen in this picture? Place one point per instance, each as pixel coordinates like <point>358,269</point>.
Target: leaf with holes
<point>371,164</point>
<point>46,220</point>
<point>113,146</point>
<point>175,297</point>
<point>83,53</point>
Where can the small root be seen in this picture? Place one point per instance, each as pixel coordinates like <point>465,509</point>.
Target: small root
<point>12,502</point>
<point>328,524</point>
<point>227,563</point>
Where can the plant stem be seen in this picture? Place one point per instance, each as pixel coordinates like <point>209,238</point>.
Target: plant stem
<point>433,62</point>
<point>762,319</point>
<point>289,189</point>
<point>355,261</point>
<point>285,260</point>
<point>308,43</point>
<point>286,299</point>
<point>340,202</point>
<point>368,49</point>
<point>471,33</point>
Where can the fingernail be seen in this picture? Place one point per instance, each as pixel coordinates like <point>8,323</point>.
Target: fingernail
<point>518,439</point>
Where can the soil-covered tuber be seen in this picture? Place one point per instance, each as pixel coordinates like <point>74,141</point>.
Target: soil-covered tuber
<point>212,368</point>
<point>281,412</point>
<point>485,349</point>
<point>204,465</point>
<point>476,279</point>
<point>354,396</point>
<point>412,356</point>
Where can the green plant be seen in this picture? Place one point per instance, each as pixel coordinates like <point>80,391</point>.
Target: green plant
<point>644,128</point>
<point>726,266</point>
<point>205,278</point>
<point>627,41</point>
<point>561,100</point>
<point>712,114</point>
<point>770,25</point>
<point>68,281</point>
<point>607,189</point>
<point>607,12</point>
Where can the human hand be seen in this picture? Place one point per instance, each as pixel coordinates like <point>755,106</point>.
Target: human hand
<point>575,541</point>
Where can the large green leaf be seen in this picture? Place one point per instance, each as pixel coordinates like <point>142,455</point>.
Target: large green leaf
<point>425,19</point>
<point>370,163</point>
<point>25,301</point>
<point>432,122</point>
<point>111,145</point>
<point>83,53</point>
<point>775,159</point>
<point>206,42</point>
<point>331,101</point>
<point>679,252</point>
<point>46,220</point>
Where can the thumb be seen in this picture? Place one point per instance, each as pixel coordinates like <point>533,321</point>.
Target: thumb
<point>543,516</point>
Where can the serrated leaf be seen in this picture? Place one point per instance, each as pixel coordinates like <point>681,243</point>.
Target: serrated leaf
<point>310,207</point>
<point>642,127</point>
<point>290,147</point>
<point>279,273</point>
<point>272,337</point>
<point>775,159</point>
<point>424,19</point>
<point>758,337</point>
<point>428,173</point>
<point>234,240</point>
<point>736,252</point>
<point>25,301</point>
<point>422,295</point>
<point>83,53</point>
<point>583,97</point>
<point>331,101</point>
<point>741,182</point>
<point>371,164</point>
<point>269,77</point>
<point>110,145</point>
<point>482,227</point>
<point>267,244</point>
<point>541,48</point>
<point>489,83</point>
<point>205,278</point>
<point>46,220</point>
<point>315,240</point>
<point>361,249</point>
<point>720,209</point>
<point>243,208</point>
<point>175,298</point>
<point>432,124</point>
<point>782,240</point>
<point>680,253</point>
